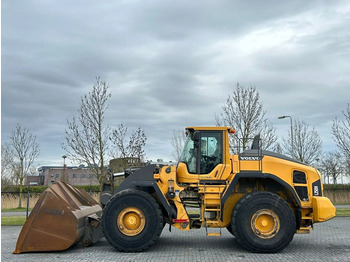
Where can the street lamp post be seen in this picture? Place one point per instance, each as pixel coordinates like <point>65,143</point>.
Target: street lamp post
<point>291,132</point>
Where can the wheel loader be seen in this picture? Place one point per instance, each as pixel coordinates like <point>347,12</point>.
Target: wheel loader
<point>262,198</point>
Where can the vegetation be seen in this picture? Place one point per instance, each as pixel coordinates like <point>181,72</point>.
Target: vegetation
<point>332,165</point>
<point>40,189</point>
<point>178,141</point>
<point>128,147</point>
<point>87,135</point>
<point>307,143</point>
<point>340,132</point>
<point>19,156</point>
<point>336,187</point>
<point>90,188</point>
<point>13,221</point>
<point>22,209</point>
<point>343,212</point>
<point>244,112</point>
<point>15,189</point>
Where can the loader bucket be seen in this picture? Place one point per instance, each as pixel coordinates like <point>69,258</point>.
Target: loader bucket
<point>62,217</point>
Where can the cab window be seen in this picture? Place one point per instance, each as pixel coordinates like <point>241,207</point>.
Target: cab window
<point>188,155</point>
<point>211,151</point>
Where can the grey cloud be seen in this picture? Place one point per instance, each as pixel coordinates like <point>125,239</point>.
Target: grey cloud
<point>169,64</point>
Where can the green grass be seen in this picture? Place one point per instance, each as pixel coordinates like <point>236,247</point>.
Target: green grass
<point>343,212</point>
<point>15,209</point>
<point>13,221</point>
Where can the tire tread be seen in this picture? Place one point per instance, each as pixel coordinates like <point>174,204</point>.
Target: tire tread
<point>242,203</point>
<point>159,226</point>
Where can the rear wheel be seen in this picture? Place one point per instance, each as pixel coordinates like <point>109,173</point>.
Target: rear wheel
<point>132,221</point>
<point>263,222</point>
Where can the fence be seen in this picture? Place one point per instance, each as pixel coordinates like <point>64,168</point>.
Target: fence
<point>11,199</point>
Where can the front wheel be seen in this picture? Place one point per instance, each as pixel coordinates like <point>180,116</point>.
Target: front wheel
<point>132,221</point>
<point>263,222</point>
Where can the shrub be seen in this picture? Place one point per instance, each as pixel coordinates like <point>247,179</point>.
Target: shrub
<point>336,187</point>
<point>40,189</point>
<point>31,189</point>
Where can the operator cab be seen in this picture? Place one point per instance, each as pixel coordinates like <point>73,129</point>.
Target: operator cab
<point>203,156</point>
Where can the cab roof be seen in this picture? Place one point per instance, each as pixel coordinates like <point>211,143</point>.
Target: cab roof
<point>212,128</point>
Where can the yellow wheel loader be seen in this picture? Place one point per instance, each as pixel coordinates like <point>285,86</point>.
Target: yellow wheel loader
<point>261,197</point>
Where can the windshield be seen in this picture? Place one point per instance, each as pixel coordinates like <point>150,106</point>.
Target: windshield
<point>188,155</point>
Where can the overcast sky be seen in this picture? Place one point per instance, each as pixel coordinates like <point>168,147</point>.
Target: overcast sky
<point>171,64</point>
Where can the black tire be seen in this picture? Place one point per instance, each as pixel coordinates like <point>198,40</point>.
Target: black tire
<point>263,222</point>
<point>229,229</point>
<point>132,221</point>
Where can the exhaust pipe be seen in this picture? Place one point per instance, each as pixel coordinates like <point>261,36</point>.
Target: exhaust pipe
<point>62,217</point>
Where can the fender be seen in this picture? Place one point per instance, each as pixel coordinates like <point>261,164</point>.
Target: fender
<point>252,174</point>
<point>143,179</point>
<point>149,184</point>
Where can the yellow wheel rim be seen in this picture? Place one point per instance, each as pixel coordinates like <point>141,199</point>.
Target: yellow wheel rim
<point>265,223</point>
<point>131,221</point>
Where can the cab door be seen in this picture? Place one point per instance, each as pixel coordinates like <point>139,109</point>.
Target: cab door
<point>202,158</point>
<point>211,153</point>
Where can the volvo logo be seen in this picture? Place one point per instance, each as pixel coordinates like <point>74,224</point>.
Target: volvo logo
<point>250,158</point>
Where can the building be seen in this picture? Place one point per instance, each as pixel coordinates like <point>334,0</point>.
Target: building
<point>80,175</point>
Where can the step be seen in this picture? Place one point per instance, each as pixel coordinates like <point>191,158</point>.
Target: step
<point>213,222</point>
<point>304,230</point>
<point>212,197</point>
<point>212,209</point>
<point>214,234</point>
<point>306,218</point>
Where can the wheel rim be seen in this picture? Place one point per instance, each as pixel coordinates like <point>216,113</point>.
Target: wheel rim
<point>265,223</point>
<point>131,221</point>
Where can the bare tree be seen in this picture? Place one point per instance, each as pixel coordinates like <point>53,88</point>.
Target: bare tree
<point>178,141</point>
<point>341,132</point>
<point>244,112</point>
<point>6,163</point>
<point>278,148</point>
<point>128,148</point>
<point>307,143</point>
<point>25,150</point>
<point>332,165</point>
<point>347,167</point>
<point>6,181</point>
<point>87,135</point>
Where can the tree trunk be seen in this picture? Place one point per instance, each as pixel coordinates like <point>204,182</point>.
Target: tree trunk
<point>20,193</point>
<point>101,185</point>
